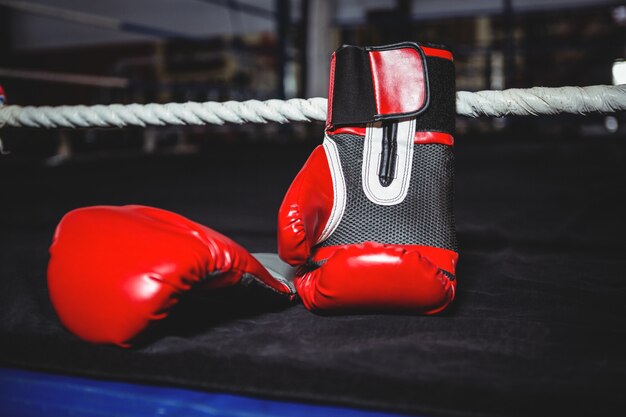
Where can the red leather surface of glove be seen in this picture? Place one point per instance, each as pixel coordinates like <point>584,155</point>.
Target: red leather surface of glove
<point>115,270</point>
<point>369,218</point>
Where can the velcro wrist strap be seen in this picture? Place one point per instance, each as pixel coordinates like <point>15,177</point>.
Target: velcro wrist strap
<point>388,83</point>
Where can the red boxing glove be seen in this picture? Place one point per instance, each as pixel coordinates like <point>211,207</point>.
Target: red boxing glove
<point>369,218</point>
<point>115,270</point>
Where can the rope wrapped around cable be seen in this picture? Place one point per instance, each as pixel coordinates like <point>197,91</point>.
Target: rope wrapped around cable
<point>519,102</point>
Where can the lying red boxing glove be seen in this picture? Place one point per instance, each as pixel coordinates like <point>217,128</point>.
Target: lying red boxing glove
<point>369,218</point>
<point>115,270</point>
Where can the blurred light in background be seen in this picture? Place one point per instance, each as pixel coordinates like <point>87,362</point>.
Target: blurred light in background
<point>619,72</point>
<point>619,15</point>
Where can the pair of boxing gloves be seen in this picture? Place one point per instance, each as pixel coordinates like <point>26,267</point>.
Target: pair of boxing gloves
<point>368,222</point>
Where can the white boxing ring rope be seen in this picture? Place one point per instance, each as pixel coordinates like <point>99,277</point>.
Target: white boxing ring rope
<point>519,102</point>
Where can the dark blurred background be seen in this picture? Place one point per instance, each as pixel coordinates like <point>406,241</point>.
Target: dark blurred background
<point>56,52</point>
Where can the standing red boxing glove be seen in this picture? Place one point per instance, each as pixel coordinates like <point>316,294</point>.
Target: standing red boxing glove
<point>115,270</point>
<point>369,218</point>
